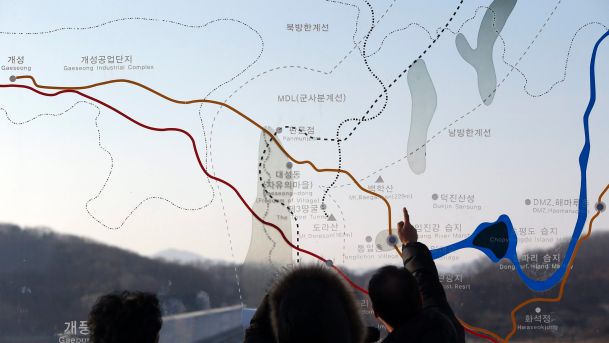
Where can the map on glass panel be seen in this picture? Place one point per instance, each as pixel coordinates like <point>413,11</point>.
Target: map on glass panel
<point>198,150</point>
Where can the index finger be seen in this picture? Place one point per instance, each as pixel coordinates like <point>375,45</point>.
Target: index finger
<point>406,216</point>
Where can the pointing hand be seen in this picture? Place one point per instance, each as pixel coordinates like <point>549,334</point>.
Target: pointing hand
<point>407,232</point>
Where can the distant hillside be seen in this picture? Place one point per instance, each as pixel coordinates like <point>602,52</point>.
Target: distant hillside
<point>582,313</point>
<point>47,279</point>
<point>492,290</point>
<point>181,256</point>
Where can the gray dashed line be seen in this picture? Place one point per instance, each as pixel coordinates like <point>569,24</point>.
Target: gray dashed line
<point>470,111</point>
<point>111,158</point>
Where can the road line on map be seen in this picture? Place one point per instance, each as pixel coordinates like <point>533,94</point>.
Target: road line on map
<point>236,111</point>
<point>565,278</point>
<point>194,146</point>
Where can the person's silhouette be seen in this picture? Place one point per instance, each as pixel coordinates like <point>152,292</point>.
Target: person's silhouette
<point>410,301</point>
<point>308,304</point>
<point>125,317</point>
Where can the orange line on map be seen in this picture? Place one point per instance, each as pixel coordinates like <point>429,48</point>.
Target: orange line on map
<point>481,330</point>
<point>565,278</point>
<point>241,114</point>
<point>547,300</point>
<point>342,171</point>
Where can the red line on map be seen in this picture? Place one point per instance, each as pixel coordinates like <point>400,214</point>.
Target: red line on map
<point>477,334</point>
<point>196,151</point>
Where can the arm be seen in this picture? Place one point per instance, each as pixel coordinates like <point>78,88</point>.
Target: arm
<point>260,330</point>
<point>418,261</point>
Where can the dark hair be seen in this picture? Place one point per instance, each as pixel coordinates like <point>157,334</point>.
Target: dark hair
<point>125,317</point>
<point>312,304</point>
<point>394,294</point>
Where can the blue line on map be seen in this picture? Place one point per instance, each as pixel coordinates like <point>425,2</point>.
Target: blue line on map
<point>582,214</point>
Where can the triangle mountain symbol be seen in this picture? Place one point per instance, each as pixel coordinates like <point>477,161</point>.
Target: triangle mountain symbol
<point>380,179</point>
<point>331,218</point>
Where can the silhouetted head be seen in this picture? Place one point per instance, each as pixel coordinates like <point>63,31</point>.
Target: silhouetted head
<point>125,317</point>
<point>312,304</point>
<point>394,294</point>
